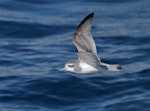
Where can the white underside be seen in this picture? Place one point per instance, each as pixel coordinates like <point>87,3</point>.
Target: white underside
<point>86,68</point>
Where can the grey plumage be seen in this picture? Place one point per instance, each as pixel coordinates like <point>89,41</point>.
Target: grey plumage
<point>83,39</point>
<point>88,60</point>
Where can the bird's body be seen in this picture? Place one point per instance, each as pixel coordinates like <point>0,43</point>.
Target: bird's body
<point>87,53</point>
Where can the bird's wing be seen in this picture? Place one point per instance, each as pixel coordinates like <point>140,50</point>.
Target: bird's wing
<point>91,59</point>
<point>83,39</point>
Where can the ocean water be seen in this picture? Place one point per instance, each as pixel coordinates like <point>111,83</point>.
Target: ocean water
<point>36,41</point>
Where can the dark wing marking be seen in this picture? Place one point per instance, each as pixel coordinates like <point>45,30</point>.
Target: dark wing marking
<point>83,39</point>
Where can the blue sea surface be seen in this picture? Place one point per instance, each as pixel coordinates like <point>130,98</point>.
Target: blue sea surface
<point>36,41</point>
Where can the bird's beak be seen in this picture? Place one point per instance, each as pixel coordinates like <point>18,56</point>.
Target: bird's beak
<point>63,69</point>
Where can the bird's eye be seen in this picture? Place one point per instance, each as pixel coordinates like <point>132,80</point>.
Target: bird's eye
<point>71,66</point>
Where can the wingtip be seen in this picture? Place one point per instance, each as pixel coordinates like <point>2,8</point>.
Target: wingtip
<point>119,67</point>
<point>90,15</point>
<point>87,17</point>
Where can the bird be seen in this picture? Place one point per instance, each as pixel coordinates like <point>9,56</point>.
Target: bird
<point>88,60</point>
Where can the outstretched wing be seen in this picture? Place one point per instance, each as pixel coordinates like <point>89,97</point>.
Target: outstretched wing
<point>83,39</point>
